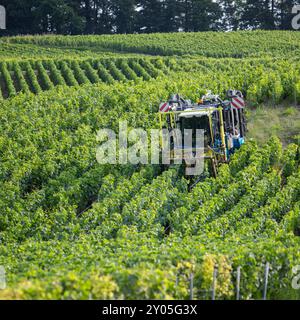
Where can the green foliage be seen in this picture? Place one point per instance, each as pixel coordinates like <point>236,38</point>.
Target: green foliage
<point>19,76</point>
<point>67,74</point>
<point>71,228</point>
<point>55,74</point>
<point>79,74</point>
<point>7,79</point>
<point>206,44</point>
<point>43,76</point>
<point>135,227</point>
<point>32,78</point>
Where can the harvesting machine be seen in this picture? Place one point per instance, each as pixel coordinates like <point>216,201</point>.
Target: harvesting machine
<point>222,122</point>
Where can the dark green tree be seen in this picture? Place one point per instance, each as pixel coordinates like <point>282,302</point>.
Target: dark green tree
<point>284,13</point>
<point>19,16</point>
<point>128,16</point>
<point>231,14</point>
<point>205,16</point>
<point>171,16</point>
<point>57,16</point>
<point>257,14</point>
<point>124,15</point>
<point>199,15</point>
<point>103,16</point>
<point>44,16</point>
<point>150,16</point>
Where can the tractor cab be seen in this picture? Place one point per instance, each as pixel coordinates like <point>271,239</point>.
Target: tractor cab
<point>195,120</point>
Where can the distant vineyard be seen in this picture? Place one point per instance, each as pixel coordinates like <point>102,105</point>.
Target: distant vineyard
<point>36,76</point>
<point>208,44</point>
<point>260,79</point>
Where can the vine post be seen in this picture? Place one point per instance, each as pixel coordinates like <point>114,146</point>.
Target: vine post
<point>267,268</point>
<point>214,283</point>
<point>191,286</point>
<point>238,281</point>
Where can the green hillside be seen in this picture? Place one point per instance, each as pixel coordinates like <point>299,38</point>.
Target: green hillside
<point>71,228</point>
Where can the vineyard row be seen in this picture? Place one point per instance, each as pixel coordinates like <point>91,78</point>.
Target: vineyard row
<point>37,76</point>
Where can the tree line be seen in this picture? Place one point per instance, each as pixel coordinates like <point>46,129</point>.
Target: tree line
<point>144,16</point>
